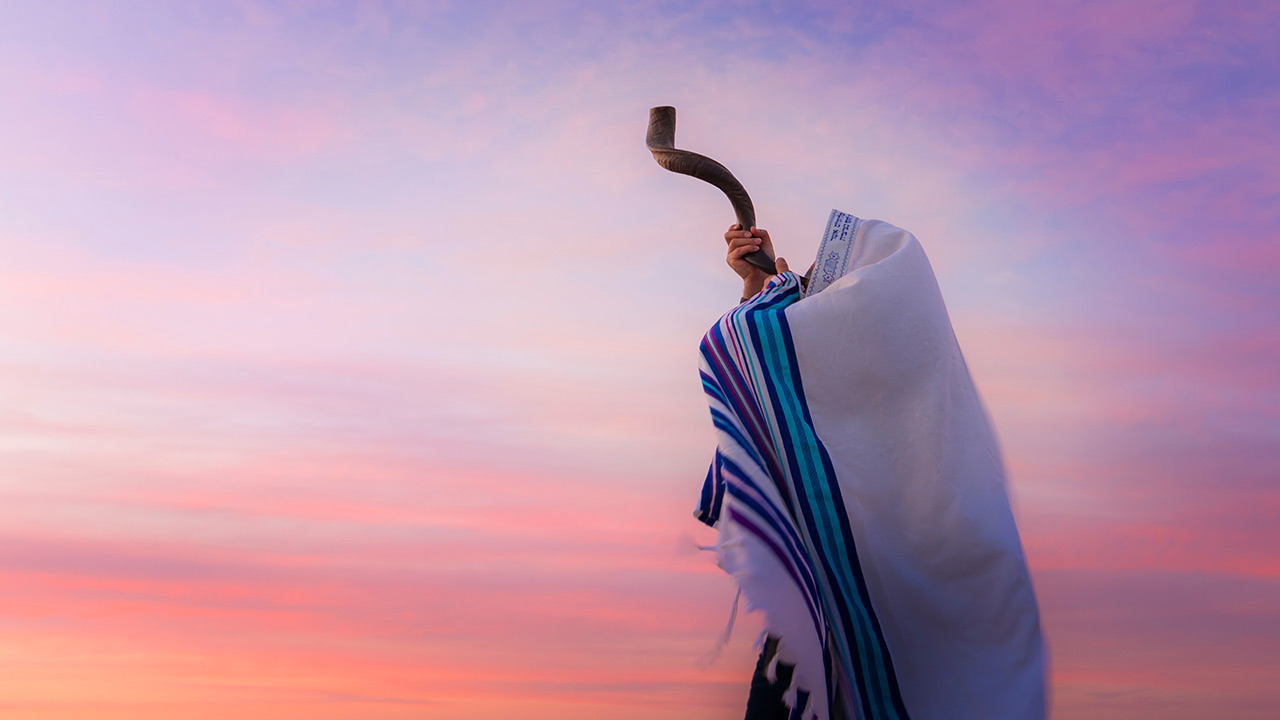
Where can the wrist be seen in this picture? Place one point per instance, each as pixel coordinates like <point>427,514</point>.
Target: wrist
<point>751,286</point>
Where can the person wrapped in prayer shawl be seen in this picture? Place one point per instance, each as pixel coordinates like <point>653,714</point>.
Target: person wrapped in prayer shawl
<point>859,492</point>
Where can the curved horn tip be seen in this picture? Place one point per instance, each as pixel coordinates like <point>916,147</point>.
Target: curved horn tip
<point>661,111</point>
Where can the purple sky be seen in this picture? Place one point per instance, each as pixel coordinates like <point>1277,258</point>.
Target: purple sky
<point>348,350</point>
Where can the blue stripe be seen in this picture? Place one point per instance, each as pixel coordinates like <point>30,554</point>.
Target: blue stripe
<point>756,445</point>
<point>814,527</point>
<point>782,527</point>
<point>822,495</point>
<point>813,489</point>
<point>849,569</point>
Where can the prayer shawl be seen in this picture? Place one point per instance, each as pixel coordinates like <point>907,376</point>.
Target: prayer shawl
<point>860,495</point>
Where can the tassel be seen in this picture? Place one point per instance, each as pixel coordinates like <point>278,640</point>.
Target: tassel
<point>714,653</point>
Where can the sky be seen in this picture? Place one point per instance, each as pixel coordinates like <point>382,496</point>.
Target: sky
<point>348,349</point>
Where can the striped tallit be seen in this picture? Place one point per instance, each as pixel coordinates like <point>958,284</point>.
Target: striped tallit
<point>859,493</point>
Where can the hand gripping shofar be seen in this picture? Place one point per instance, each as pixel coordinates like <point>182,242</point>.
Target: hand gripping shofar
<point>661,141</point>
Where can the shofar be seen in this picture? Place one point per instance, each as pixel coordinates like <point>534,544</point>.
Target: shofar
<point>661,140</point>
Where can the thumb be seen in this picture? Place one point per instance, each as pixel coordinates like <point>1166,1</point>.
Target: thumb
<point>781,265</point>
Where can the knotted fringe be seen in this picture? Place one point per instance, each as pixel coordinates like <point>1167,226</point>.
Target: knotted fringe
<point>714,654</point>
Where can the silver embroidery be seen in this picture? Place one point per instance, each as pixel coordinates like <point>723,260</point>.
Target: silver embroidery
<point>834,252</point>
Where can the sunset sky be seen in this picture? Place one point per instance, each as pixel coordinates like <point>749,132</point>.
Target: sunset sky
<point>348,350</point>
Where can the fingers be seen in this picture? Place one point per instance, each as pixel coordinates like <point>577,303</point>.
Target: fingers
<point>733,232</point>
<point>762,234</point>
<point>741,247</point>
<point>781,264</point>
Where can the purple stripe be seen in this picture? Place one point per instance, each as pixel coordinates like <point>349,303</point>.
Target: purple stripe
<point>732,385</point>
<point>745,522</point>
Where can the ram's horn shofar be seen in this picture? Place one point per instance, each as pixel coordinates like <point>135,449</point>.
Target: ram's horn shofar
<point>661,140</point>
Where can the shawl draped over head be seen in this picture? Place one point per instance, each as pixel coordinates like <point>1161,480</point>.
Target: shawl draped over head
<point>860,495</point>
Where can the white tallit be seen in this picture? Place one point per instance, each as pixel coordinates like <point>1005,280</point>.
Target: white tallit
<point>860,495</point>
